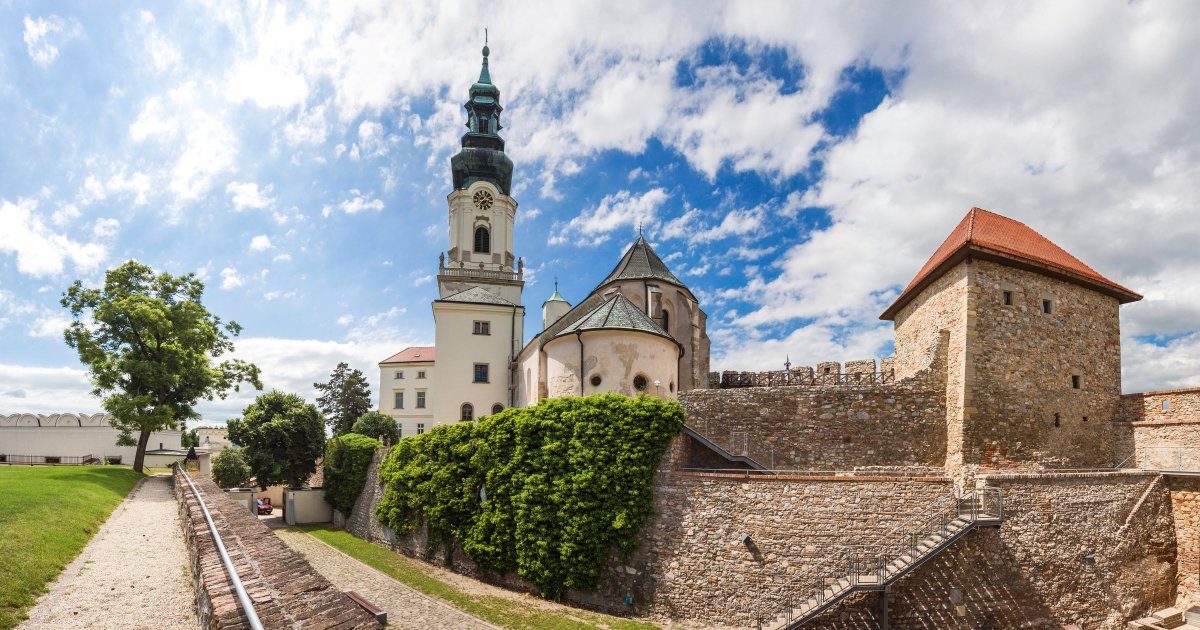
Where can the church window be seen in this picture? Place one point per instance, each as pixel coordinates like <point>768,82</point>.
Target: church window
<point>420,400</point>
<point>639,383</point>
<point>467,412</point>
<point>481,372</point>
<point>420,428</point>
<point>483,124</point>
<point>1075,381</point>
<point>399,400</point>
<point>595,380</point>
<point>483,240</point>
<point>497,408</point>
<point>1008,298</point>
<point>482,328</point>
<point>1047,306</point>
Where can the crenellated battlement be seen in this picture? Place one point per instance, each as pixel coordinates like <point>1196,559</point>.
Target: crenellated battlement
<point>825,374</point>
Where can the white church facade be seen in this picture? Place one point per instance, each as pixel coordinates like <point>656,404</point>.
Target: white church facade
<point>639,331</point>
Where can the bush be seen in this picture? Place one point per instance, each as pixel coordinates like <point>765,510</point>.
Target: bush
<point>377,425</point>
<point>548,491</point>
<point>229,469</point>
<point>281,437</point>
<point>347,459</point>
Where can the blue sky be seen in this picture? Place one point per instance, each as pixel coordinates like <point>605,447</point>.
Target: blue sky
<point>794,163</point>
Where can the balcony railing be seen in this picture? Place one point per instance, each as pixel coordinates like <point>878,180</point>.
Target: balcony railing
<point>487,274</point>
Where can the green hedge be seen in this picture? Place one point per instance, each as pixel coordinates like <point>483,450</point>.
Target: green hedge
<point>566,482</point>
<point>347,458</point>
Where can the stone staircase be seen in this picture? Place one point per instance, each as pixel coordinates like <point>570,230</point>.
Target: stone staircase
<point>1169,618</point>
<point>876,567</point>
<point>731,449</point>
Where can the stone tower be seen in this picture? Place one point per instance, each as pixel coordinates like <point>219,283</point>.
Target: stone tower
<point>1034,362</point>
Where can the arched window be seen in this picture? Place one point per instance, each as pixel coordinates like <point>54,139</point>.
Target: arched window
<point>468,412</point>
<point>497,408</point>
<point>483,240</point>
<point>667,320</point>
<point>483,124</point>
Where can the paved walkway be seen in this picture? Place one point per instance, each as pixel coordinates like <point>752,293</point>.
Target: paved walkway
<point>406,607</point>
<point>132,574</point>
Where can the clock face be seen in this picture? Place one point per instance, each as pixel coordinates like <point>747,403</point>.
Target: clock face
<point>482,199</point>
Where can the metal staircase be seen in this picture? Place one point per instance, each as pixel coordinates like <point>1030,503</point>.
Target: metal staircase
<point>875,567</point>
<point>735,449</point>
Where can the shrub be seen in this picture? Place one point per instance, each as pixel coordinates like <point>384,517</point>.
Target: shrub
<point>229,469</point>
<point>548,491</point>
<point>377,425</point>
<point>347,459</point>
<point>281,437</point>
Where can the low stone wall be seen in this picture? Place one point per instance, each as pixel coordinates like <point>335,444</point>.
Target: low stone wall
<point>1181,404</point>
<point>287,592</point>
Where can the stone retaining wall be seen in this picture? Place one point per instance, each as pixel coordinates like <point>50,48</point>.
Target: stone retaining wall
<point>1185,505</point>
<point>287,592</point>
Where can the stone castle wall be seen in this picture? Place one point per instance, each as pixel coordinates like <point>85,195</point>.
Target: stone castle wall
<point>1185,508</point>
<point>1026,410</point>
<point>1181,405</point>
<point>829,427</point>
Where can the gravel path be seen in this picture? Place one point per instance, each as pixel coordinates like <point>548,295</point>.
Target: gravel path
<point>132,574</point>
<point>406,607</point>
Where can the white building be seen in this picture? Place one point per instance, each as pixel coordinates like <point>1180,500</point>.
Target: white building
<point>406,388</point>
<point>44,437</point>
<point>213,438</point>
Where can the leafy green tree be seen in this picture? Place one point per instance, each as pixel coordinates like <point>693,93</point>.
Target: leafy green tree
<point>229,469</point>
<point>281,438</point>
<point>344,399</point>
<point>377,425</point>
<point>548,491</point>
<point>347,459</point>
<point>151,348</point>
<point>190,438</point>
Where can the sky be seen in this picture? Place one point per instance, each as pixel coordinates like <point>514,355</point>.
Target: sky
<point>794,164</point>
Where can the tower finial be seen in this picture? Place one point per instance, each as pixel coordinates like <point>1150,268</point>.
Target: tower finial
<point>556,284</point>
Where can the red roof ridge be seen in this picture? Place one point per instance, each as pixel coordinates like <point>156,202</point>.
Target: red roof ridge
<point>413,354</point>
<point>985,234</point>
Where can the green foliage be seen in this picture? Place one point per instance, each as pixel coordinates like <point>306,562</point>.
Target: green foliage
<point>377,425</point>
<point>150,346</point>
<point>190,438</point>
<point>281,437</point>
<point>566,482</point>
<point>344,399</point>
<point>229,469</point>
<point>347,459</point>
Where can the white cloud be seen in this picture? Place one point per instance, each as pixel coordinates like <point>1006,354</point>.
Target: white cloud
<point>41,251</point>
<point>282,258</point>
<point>621,209</point>
<point>105,228</point>
<point>231,279</point>
<point>260,243</point>
<point>193,132</point>
<point>358,202</point>
<point>29,389</point>
<point>425,279</point>
<point>372,141</point>
<point>309,127</point>
<point>49,326</point>
<point>43,36</point>
<point>163,54</point>
<point>248,195</point>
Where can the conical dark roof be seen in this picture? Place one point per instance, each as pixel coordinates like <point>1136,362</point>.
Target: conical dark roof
<point>641,262</point>
<point>618,313</point>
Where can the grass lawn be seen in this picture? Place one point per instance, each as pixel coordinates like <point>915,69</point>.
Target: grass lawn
<point>47,515</point>
<point>506,613</point>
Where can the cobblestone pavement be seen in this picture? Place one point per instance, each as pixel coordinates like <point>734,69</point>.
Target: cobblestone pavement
<point>406,607</point>
<point>132,574</point>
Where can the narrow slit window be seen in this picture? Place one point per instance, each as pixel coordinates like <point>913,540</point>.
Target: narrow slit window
<point>1047,306</point>
<point>1075,381</point>
<point>1008,298</point>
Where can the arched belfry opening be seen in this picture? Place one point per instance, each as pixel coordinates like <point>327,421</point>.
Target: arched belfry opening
<point>483,240</point>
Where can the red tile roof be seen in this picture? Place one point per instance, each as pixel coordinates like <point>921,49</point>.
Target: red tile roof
<point>413,354</point>
<point>990,236</point>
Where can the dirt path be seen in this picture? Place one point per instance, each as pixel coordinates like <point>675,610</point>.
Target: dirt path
<point>132,574</point>
<point>406,607</point>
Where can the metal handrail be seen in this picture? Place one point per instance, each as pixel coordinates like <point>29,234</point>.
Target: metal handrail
<point>243,598</point>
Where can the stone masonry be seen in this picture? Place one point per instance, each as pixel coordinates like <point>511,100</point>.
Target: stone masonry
<point>286,591</point>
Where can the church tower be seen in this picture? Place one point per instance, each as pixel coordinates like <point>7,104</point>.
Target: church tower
<point>478,317</point>
<point>482,213</point>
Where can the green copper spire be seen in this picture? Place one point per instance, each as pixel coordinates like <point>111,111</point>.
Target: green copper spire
<point>482,156</point>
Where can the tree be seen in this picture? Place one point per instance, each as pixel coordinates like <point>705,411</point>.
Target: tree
<point>281,437</point>
<point>377,425</point>
<point>229,469</point>
<point>345,398</point>
<point>347,459</point>
<point>151,349</point>
<point>190,438</point>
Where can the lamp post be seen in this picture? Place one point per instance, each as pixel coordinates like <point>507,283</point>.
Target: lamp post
<point>657,385</point>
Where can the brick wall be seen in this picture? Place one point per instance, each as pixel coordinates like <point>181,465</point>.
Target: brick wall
<point>287,592</point>
<point>834,427</point>
<point>1182,404</point>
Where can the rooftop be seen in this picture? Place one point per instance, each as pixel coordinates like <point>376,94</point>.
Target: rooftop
<point>990,236</point>
<point>641,262</point>
<point>413,354</point>
<point>477,295</point>
<point>618,313</point>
